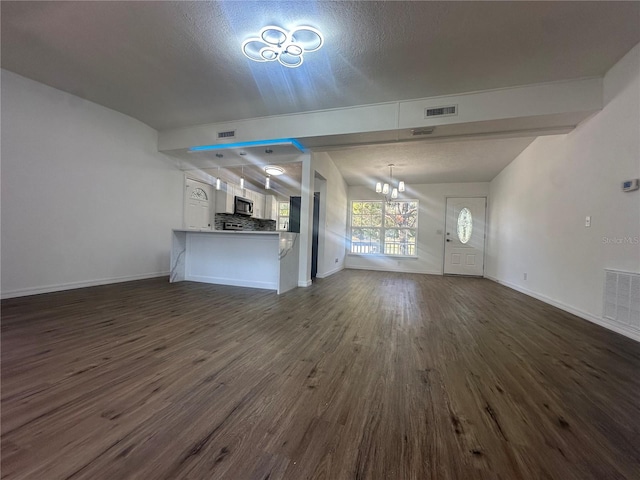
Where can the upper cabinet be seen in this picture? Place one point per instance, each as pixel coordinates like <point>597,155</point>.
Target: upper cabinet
<point>225,201</point>
<point>270,207</point>
<point>225,198</point>
<point>258,203</point>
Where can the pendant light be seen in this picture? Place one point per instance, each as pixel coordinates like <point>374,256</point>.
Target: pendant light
<point>242,179</point>
<point>267,183</point>
<point>388,188</point>
<point>218,181</point>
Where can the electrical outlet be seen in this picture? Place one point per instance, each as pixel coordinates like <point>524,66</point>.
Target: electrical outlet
<point>336,260</point>
<point>587,221</point>
<point>525,276</point>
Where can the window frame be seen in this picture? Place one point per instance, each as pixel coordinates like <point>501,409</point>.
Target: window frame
<point>278,216</point>
<point>383,229</point>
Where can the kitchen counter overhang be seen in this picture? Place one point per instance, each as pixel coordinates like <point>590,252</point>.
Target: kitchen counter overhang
<point>257,259</point>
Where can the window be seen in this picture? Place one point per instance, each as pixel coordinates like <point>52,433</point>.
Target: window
<point>465,225</point>
<point>283,216</point>
<point>199,194</point>
<point>388,228</point>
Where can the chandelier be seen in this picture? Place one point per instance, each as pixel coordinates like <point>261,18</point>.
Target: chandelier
<point>385,188</point>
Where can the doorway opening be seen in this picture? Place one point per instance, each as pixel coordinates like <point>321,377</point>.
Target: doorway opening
<point>315,234</point>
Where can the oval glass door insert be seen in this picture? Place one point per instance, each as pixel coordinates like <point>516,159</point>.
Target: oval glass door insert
<point>465,225</point>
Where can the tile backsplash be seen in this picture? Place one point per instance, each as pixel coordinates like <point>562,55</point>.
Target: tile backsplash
<point>247,223</point>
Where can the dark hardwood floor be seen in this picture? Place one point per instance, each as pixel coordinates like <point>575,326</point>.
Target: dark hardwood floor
<point>364,375</point>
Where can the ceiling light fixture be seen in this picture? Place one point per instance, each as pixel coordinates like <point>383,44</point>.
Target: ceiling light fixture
<point>273,170</point>
<point>386,187</point>
<point>287,47</point>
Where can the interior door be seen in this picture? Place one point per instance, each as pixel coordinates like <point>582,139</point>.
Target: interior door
<point>197,205</point>
<point>464,236</point>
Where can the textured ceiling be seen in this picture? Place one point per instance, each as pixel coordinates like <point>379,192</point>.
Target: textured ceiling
<point>429,161</point>
<point>172,64</point>
<point>418,162</point>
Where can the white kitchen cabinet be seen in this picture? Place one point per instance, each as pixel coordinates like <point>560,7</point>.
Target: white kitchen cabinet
<point>258,203</point>
<point>270,207</point>
<point>225,198</point>
<point>239,192</point>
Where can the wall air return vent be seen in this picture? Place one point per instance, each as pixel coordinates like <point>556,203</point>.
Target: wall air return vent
<point>227,134</point>
<point>446,111</point>
<point>422,131</point>
<point>622,300</point>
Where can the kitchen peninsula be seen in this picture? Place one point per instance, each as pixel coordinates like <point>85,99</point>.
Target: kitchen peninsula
<point>258,259</point>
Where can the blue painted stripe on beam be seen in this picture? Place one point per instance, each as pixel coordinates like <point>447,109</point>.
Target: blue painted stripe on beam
<point>254,143</point>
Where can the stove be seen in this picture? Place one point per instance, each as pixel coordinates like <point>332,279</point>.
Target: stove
<point>232,226</point>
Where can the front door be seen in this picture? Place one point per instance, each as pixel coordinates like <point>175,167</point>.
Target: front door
<point>464,236</point>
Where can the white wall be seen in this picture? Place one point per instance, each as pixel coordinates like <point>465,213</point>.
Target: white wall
<point>86,197</point>
<point>539,203</point>
<point>333,215</point>
<point>431,217</point>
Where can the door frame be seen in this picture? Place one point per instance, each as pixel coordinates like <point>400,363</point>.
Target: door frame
<point>444,234</point>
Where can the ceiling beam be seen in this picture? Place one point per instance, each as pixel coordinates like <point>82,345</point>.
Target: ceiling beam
<point>549,105</point>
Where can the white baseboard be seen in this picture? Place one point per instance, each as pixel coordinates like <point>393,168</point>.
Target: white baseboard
<point>23,292</point>
<point>304,283</point>
<point>377,269</point>
<point>568,308</point>
<point>232,282</point>
<point>330,272</point>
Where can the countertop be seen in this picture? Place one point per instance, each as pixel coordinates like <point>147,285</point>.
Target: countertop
<point>233,232</point>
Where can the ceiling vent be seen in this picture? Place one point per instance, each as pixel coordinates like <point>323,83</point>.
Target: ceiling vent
<point>446,111</point>
<point>422,131</point>
<point>227,134</point>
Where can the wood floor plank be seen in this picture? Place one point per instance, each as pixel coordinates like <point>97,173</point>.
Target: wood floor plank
<point>364,375</point>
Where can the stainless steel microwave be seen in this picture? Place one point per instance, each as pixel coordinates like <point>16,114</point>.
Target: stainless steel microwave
<point>243,206</point>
